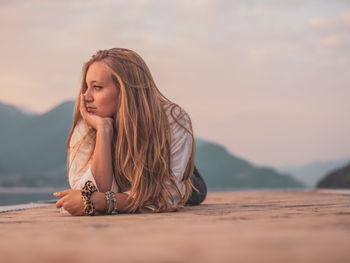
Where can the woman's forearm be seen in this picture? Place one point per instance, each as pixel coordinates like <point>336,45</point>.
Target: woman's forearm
<point>101,166</point>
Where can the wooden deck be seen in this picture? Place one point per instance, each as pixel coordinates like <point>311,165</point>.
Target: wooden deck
<point>255,226</point>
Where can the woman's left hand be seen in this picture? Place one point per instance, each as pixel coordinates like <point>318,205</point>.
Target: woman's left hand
<point>71,201</point>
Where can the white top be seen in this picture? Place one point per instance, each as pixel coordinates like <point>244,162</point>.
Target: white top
<point>181,147</point>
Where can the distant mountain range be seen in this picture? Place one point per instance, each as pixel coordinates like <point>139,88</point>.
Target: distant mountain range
<point>33,153</point>
<point>311,174</point>
<point>222,170</point>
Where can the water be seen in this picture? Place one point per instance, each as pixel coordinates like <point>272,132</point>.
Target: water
<point>23,198</point>
<point>219,189</point>
<point>24,195</point>
<point>7,208</point>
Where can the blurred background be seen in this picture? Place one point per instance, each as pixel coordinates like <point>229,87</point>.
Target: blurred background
<point>266,84</point>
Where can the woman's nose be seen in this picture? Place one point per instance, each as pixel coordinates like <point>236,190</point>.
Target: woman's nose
<point>88,96</point>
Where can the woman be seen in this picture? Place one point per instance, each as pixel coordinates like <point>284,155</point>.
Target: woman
<point>130,149</point>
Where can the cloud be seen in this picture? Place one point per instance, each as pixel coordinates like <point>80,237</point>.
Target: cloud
<point>345,16</point>
<point>333,31</point>
<point>331,41</point>
<point>340,20</point>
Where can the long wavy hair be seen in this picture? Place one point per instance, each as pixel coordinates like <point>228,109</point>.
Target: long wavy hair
<point>141,151</point>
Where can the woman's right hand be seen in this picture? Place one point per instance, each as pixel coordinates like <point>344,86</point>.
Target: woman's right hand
<point>99,123</point>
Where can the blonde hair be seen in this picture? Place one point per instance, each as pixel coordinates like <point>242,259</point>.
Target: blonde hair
<point>142,133</point>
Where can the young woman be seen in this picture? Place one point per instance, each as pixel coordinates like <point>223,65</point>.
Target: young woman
<point>130,149</point>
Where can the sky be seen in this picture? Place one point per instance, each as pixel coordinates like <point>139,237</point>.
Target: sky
<point>267,79</point>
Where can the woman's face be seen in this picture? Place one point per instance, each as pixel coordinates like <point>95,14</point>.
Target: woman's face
<point>101,96</point>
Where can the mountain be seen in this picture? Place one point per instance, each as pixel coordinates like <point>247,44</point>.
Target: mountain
<point>33,153</point>
<point>311,173</point>
<point>222,170</point>
<point>339,178</point>
<point>33,147</point>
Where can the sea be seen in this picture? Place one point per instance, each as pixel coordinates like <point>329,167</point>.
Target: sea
<point>16,198</point>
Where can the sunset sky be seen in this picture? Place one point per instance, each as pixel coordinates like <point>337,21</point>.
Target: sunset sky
<point>268,79</point>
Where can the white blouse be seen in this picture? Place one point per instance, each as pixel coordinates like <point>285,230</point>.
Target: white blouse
<point>181,147</point>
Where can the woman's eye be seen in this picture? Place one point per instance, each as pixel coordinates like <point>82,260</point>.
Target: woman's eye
<point>97,87</point>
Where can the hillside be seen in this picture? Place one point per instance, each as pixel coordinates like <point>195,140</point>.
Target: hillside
<point>311,173</point>
<point>33,147</point>
<point>339,178</point>
<point>222,170</point>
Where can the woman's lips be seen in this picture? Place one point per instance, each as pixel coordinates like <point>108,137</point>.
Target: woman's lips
<point>90,109</point>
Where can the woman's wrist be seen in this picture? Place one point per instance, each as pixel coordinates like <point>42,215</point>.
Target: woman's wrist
<point>99,201</point>
<point>105,128</point>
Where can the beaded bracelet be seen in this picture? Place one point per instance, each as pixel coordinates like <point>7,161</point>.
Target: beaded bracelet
<point>111,202</point>
<point>86,192</point>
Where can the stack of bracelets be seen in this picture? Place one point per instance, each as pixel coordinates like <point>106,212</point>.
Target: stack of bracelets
<point>111,203</point>
<point>89,209</point>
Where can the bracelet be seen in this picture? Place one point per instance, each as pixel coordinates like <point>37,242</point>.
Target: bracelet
<point>111,202</point>
<point>86,192</point>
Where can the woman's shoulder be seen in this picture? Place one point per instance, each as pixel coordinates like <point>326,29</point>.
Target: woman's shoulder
<point>178,117</point>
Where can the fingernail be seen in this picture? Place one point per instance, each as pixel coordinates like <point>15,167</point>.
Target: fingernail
<point>55,193</point>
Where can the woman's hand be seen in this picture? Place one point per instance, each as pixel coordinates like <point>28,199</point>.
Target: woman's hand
<point>95,121</point>
<point>71,201</point>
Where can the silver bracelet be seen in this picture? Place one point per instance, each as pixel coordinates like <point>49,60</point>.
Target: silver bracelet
<point>111,202</point>
<point>115,205</point>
